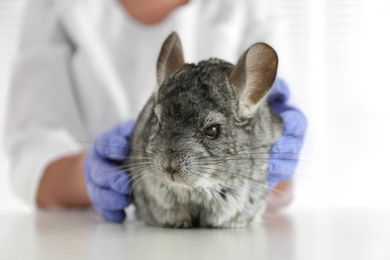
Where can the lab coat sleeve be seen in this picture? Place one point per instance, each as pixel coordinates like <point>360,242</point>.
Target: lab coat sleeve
<point>43,119</point>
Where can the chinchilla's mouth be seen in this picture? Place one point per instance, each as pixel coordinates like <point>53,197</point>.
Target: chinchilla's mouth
<point>174,178</point>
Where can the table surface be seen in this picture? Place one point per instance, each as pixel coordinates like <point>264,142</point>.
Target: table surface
<point>359,233</point>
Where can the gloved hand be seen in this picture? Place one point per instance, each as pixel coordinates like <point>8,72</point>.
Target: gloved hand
<point>108,184</point>
<point>285,152</point>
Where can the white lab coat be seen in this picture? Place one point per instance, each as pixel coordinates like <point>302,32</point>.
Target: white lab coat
<point>84,66</point>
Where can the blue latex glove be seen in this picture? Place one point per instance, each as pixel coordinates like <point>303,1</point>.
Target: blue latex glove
<point>108,184</point>
<point>285,152</point>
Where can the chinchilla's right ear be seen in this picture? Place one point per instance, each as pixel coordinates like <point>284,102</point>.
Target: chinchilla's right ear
<point>253,77</point>
<point>170,58</point>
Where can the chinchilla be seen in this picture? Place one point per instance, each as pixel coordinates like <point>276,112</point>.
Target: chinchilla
<point>200,148</point>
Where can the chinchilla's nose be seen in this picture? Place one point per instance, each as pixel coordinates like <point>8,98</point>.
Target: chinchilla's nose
<point>172,168</point>
<point>173,171</point>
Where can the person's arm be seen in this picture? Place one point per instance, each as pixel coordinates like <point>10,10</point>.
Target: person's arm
<point>63,184</point>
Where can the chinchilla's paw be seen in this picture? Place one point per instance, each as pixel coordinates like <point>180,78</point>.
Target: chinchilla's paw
<point>183,225</point>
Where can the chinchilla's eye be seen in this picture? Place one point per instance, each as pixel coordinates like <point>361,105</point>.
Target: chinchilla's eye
<point>211,131</point>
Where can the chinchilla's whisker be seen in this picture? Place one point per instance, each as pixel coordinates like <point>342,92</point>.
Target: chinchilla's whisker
<point>236,176</point>
<point>138,159</point>
<point>209,182</point>
<point>271,143</point>
<point>291,153</point>
<point>195,156</point>
<point>197,193</point>
<point>269,188</point>
<point>237,191</point>
<point>117,173</point>
<point>259,170</point>
<point>108,171</point>
<point>220,192</point>
<point>138,162</point>
<point>256,182</point>
<point>140,153</point>
<point>305,161</point>
<point>212,169</point>
<point>155,178</point>
<point>288,173</point>
<point>137,149</point>
<point>252,186</point>
<point>208,192</point>
<point>255,190</point>
<point>131,168</point>
<point>223,169</point>
<point>277,144</point>
<point>241,152</point>
<point>268,145</point>
<point>204,188</point>
<point>121,179</point>
<point>211,173</point>
<point>192,190</point>
<point>137,182</point>
<point>140,173</point>
<point>138,178</point>
<point>266,159</point>
<point>207,159</point>
<point>134,168</point>
<point>196,190</point>
<point>282,138</point>
<point>259,182</point>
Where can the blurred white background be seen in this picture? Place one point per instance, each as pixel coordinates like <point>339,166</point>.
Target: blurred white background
<point>340,55</point>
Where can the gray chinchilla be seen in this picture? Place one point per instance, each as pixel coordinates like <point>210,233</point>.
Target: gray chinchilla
<point>200,149</point>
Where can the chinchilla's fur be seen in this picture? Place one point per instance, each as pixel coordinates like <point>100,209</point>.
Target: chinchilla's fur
<point>200,149</point>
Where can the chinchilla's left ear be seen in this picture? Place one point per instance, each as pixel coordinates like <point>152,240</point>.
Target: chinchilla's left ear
<point>253,77</point>
<point>170,58</point>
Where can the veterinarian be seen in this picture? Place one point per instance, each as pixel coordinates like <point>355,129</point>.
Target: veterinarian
<point>84,69</point>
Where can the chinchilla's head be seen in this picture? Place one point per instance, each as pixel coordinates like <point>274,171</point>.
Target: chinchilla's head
<point>202,110</point>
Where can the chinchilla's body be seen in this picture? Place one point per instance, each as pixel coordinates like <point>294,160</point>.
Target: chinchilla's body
<point>200,149</point>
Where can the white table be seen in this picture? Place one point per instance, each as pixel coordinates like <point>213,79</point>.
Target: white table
<point>296,234</point>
